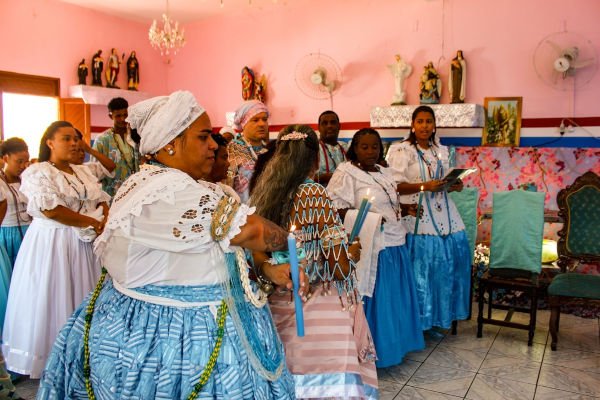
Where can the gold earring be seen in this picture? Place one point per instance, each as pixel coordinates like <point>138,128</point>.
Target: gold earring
<point>170,151</point>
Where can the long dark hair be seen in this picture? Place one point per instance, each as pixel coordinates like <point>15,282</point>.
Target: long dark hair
<point>49,134</point>
<point>293,162</point>
<point>261,162</point>
<point>412,138</point>
<point>13,145</point>
<point>351,154</point>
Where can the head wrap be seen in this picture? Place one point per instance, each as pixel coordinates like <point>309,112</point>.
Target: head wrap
<point>246,111</point>
<point>161,119</point>
<point>226,129</point>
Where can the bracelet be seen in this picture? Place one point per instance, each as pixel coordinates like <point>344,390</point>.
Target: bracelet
<point>265,284</point>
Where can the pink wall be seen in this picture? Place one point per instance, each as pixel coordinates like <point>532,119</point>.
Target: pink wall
<point>49,38</point>
<point>498,39</point>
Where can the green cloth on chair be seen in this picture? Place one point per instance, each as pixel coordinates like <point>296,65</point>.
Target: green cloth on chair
<point>575,285</point>
<point>584,220</point>
<point>466,204</point>
<point>517,231</point>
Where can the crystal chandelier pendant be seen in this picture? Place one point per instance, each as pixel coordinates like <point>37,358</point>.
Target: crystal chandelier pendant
<point>169,39</point>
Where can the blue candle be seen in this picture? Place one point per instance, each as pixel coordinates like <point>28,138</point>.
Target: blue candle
<point>361,211</point>
<point>364,216</point>
<point>296,282</point>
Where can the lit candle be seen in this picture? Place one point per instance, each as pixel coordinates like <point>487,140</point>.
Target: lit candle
<point>296,281</point>
<point>361,211</point>
<point>364,216</point>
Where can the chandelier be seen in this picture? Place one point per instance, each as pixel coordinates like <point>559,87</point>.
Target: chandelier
<point>169,38</point>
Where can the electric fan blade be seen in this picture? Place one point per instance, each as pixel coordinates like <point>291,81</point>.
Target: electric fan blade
<point>555,47</point>
<point>582,63</point>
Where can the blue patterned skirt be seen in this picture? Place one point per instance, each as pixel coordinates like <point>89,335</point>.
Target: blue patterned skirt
<point>10,237</point>
<point>5,274</point>
<point>393,311</point>
<point>141,350</point>
<point>442,270</point>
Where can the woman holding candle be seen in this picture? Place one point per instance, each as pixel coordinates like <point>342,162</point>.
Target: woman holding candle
<point>175,319</point>
<point>392,309</point>
<point>437,241</point>
<point>335,357</point>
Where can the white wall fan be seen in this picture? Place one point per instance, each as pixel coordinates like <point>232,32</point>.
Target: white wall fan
<point>318,76</point>
<point>565,60</point>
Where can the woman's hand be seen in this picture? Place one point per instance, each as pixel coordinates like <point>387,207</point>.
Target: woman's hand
<point>281,275</point>
<point>84,146</point>
<point>411,209</point>
<point>457,186</point>
<point>434,185</point>
<point>354,250</point>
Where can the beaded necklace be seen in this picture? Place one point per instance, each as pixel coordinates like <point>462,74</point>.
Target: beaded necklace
<point>15,196</point>
<point>328,155</point>
<point>438,174</point>
<point>394,207</point>
<point>74,185</point>
<point>251,148</point>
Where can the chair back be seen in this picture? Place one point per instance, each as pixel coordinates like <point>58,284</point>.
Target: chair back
<point>579,207</point>
<point>517,232</point>
<point>466,204</point>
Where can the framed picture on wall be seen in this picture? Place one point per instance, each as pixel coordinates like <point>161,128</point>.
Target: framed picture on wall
<point>502,121</point>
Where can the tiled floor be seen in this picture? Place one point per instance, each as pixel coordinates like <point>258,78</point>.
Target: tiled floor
<point>500,365</point>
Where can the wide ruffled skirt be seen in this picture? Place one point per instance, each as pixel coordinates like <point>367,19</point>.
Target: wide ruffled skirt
<point>393,311</point>
<point>141,350</point>
<point>53,273</point>
<point>442,270</point>
<point>5,274</point>
<point>334,359</point>
<point>10,237</point>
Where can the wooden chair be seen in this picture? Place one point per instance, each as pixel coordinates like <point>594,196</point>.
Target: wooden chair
<point>466,203</point>
<point>579,241</point>
<point>515,256</point>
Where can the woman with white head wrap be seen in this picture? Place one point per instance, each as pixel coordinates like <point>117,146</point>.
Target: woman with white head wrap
<point>174,321</point>
<point>251,118</point>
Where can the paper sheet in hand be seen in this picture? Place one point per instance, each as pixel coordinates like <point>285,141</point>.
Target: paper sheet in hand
<point>456,174</point>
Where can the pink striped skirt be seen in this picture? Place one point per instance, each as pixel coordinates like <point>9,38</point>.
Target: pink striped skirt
<point>336,357</point>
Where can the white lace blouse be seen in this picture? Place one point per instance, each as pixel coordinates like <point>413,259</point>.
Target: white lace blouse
<point>348,186</point>
<point>10,194</point>
<point>159,231</point>
<point>46,187</point>
<point>438,209</point>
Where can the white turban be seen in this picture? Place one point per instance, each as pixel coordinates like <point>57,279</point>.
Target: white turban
<point>161,119</point>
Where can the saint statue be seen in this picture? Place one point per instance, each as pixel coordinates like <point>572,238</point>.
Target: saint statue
<point>260,89</point>
<point>430,86</point>
<point>133,72</point>
<point>247,84</point>
<point>112,70</point>
<point>457,78</point>
<point>401,70</point>
<point>97,66</point>
<point>82,72</point>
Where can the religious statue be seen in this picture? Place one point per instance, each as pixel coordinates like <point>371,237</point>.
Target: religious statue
<point>431,85</point>
<point>133,72</point>
<point>401,70</point>
<point>112,69</point>
<point>260,89</point>
<point>247,84</point>
<point>457,78</point>
<point>97,66</point>
<point>82,72</point>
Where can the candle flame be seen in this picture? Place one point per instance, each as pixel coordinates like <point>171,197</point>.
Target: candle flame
<point>372,198</point>
<point>292,228</point>
<point>422,187</point>
<point>368,191</point>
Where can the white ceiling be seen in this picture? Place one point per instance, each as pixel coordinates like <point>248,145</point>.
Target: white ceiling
<point>181,10</point>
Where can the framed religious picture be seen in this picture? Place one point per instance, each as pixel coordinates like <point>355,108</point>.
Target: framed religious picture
<point>502,121</point>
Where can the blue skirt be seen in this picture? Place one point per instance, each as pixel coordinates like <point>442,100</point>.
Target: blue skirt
<point>140,350</point>
<point>10,237</point>
<point>393,311</point>
<point>442,270</point>
<point>5,274</point>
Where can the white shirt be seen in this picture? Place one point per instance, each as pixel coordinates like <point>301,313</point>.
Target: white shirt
<point>10,219</point>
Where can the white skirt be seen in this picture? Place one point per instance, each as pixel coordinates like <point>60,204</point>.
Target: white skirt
<point>53,273</point>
